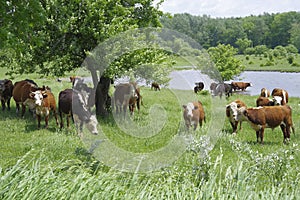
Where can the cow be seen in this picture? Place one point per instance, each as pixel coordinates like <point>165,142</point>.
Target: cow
<point>264,101</point>
<point>126,94</point>
<point>155,86</point>
<point>44,103</point>
<point>222,88</point>
<point>21,95</point>
<point>193,114</point>
<point>212,87</point>
<point>240,85</point>
<point>199,86</point>
<point>264,92</point>
<point>280,96</point>
<point>71,103</point>
<point>6,88</point>
<point>269,117</point>
<point>232,110</point>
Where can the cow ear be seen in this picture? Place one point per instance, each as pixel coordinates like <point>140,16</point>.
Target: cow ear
<point>196,107</point>
<point>184,106</point>
<point>44,93</point>
<point>31,95</point>
<point>245,113</point>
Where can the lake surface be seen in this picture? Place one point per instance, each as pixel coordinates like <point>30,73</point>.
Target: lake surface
<point>186,79</point>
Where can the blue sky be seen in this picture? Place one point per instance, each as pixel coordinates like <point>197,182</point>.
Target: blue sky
<point>229,8</point>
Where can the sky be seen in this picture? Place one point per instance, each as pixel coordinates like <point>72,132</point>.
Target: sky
<point>229,8</point>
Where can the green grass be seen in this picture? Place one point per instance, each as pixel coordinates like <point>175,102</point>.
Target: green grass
<point>56,164</point>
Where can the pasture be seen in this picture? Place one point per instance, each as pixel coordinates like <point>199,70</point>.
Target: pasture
<point>56,164</point>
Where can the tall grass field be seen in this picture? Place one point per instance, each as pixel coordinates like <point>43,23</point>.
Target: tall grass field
<point>214,164</point>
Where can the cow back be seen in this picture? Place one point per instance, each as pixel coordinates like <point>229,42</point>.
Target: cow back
<point>22,89</point>
<point>65,101</point>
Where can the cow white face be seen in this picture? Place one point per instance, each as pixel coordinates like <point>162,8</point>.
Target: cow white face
<point>235,111</point>
<point>189,109</point>
<point>38,97</point>
<point>277,100</point>
<point>91,125</point>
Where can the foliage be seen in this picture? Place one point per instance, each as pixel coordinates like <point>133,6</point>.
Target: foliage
<point>223,58</point>
<point>60,34</point>
<point>243,44</point>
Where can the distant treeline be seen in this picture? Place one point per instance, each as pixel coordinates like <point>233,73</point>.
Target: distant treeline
<point>268,29</point>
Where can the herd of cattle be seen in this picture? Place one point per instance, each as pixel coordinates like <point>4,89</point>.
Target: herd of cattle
<point>76,103</point>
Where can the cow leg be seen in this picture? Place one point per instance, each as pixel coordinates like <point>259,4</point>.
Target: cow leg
<point>46,120</point>
<point>56,118</point>
<point>23,110</point>
<point>39,121</point>
<point>234,126</point>
<point>262,135</point>
<point>257,136</point>
<point>61,119</point>
<point>3,104</point>
<point>286,133</point>
<point>8,104</point>
<point>17,108</point>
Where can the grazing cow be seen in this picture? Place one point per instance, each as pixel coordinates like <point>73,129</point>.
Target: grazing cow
<point>280,96</point>
<point>193,114</point>
<point>264,92</point>
<point>269,117</point>
<point>232,110</point>
<point>6,88</point>
<point>155,86</point>
<point>125,95</point>
<point>21,95</point>
<point>44,103</point>
<point>240,85</point>
<point>264,101</point>
<point>199,86</point>
<point>72,104</point>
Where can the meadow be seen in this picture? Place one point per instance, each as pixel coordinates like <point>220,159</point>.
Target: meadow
<point>211,163</point>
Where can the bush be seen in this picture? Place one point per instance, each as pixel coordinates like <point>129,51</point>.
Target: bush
<point>290,59</point>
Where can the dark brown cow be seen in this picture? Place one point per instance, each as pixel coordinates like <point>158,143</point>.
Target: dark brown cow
<point>232,110</point>
<point>240,85</point>
<point>212,87</point>
<point>21,95</point>
<point>72,104</point>
<point>199,86</point>
<point>193,114</point>
<point>264,101</point>
<point>6,88</point>
<point>280,96</point>
<point>155,86</point>
<point>264,92</point>
<point>45,102</point>
<point>269,117</point>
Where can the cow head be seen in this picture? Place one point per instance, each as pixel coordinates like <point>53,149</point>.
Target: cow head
<point>91,125</point>
<point>38,97</point>
<point>2,86</point>
<point>234,110</point>
<point>277,100</point>
<point>188,110</point>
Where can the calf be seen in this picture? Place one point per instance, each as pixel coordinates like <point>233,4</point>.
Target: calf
<point>240,85</point>
<point>280,96</point>
<point>193,114</point>
<point>232,110</point>
<point>269,117</point>
<point>264,101</point>
<point>155,86</point>
<point>71,103</point>
<point>45,102</point>
<point>199,86</point>
<point>6,88</point>
<point>264,92</point>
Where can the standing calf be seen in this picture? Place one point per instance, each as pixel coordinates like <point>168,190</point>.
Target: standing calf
<point>6,88</point>
<point>193,114</point>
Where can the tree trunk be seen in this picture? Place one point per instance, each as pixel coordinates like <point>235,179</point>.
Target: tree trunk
<point>102,97</point>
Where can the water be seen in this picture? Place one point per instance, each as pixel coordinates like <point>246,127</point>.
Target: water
<point>186,79</point>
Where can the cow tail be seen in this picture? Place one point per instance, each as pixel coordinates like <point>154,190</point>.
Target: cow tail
<point>142,103</point>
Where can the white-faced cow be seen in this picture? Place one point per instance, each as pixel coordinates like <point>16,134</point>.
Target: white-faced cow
<point>280,96</point>
<point>72,104</point>
<point>232,110</point>
<point>264,92</point>
<point>240,85</point>
<point>6,88</point>
<point>269,117</point>
<point>193,114</point>
<point>44,103</point>
<point>264,101</point>
<point>21,95</point>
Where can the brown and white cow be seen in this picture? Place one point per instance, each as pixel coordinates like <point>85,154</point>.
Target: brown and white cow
<point>264,101</point>
<point>193,114</point>
<point>44,103</point>
<point>280,96</point>
<point>232,110</point>
<point>264,92</point>
<point>155,86</point>
<point>240,85</point>
<point>21,95</point>
<point>6,88</point>
<point>72,104</point>
<point>269,117</point>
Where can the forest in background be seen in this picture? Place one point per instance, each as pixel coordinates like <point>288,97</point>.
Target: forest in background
<point>270,30</point>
